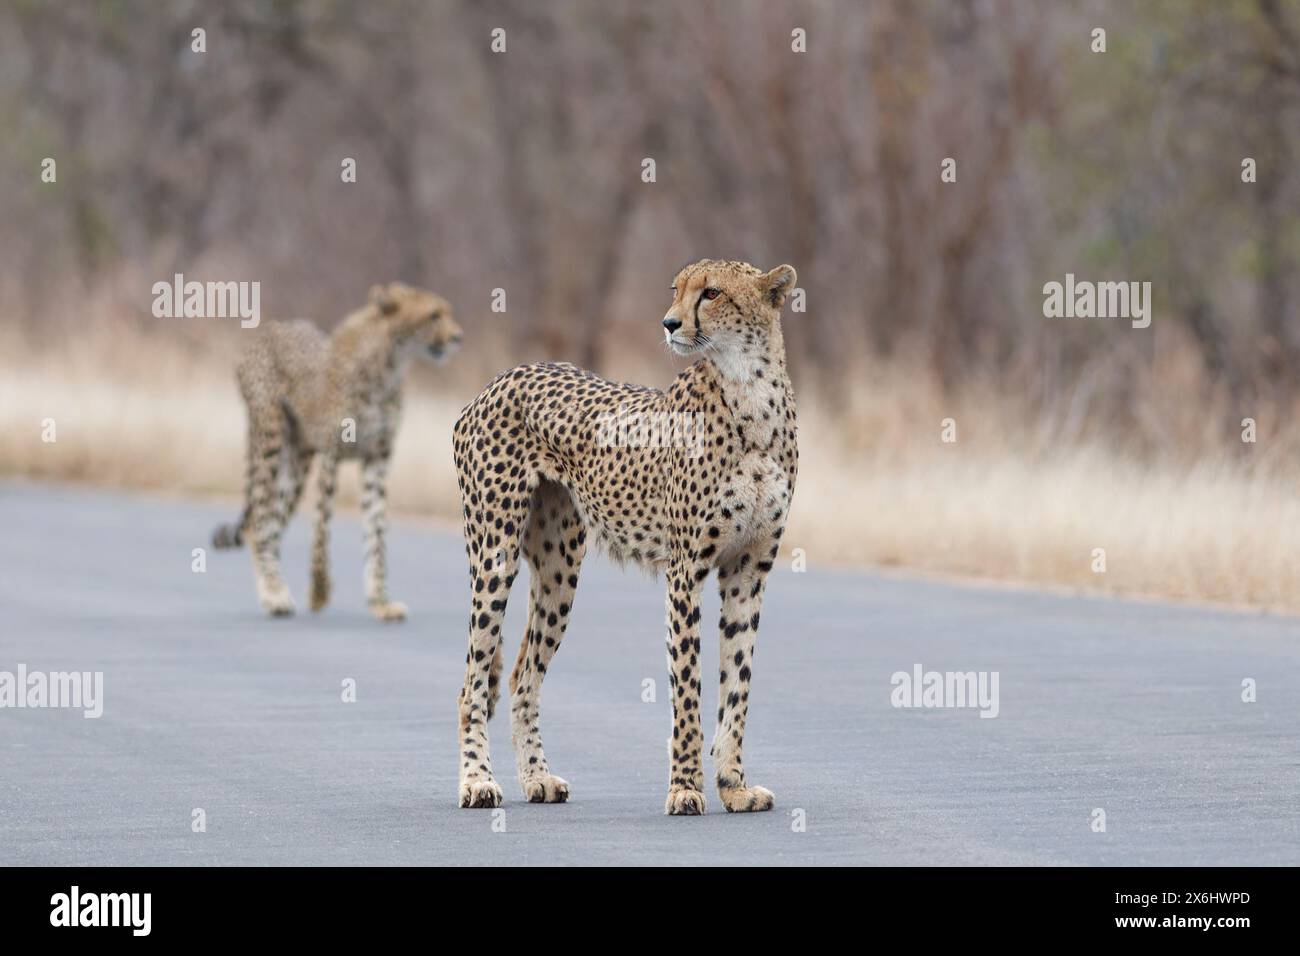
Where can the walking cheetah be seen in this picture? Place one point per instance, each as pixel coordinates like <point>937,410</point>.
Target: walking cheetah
<point>540,467</point>
<point>339,397</point>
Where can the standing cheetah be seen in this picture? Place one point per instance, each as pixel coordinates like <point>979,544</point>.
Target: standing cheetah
<point>339,397</point>
<point>540,467</point>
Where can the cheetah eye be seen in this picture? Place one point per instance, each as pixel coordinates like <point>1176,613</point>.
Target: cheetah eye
<point>435,316</point>
<point>712,293</point>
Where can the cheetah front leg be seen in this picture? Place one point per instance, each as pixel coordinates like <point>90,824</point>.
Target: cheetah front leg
<point>741,581</point>
<point>320,545</point>
<point>374,510</point>
<point>685,773</point>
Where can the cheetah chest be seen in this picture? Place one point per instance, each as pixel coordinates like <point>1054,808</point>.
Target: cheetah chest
<point>367,423</point>
<point>752,503</point>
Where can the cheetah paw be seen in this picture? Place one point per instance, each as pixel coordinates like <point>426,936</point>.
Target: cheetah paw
<point>480,793</point>
<point>388,611</point>
<point>277,602</point>
<point>546,788</point>
<point>684,803</point>
<point>747,799</point>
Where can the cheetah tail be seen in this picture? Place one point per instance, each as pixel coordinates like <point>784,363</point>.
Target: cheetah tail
<point>228,535</point>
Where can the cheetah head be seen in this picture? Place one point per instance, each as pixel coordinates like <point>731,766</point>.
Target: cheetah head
<point>725,308</point>
<point>418,319</point>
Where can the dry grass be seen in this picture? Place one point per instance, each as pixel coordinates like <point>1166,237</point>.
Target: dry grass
<point>163,413</point>
<point>158,414</point>
<point>1213,534</point>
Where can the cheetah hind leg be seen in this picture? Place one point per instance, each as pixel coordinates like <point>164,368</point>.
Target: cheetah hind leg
<point>494,562</point>
<point>554,544</point>
<point>266,520</point>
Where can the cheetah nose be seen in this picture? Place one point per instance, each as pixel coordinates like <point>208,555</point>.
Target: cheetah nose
<point>672,324</point>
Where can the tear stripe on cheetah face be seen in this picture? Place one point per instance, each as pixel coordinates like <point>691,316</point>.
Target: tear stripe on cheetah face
<point>336,397</point>
<point>536,478</point>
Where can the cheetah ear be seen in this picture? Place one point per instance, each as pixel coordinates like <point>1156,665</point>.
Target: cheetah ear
<point>776,285</point>
<point>381,297</point>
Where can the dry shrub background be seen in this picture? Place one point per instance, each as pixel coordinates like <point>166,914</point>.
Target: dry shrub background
<point>522,170</point>
<point>157,409</point>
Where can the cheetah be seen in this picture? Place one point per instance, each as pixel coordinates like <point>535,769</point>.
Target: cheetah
<point>543,460</point>
<point>337,397</point>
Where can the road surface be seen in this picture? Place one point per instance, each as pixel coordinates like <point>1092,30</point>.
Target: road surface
<point>1131,708</point>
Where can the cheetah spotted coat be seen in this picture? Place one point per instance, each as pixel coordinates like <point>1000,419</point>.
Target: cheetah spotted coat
<point>335,397</point>
<point>544,471</point>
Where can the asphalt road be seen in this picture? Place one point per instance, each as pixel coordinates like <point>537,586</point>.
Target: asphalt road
<point>1132,708</point>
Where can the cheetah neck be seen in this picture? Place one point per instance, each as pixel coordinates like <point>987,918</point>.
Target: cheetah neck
<point>753,381</point>
<point>372,366</point>
<point>759,355</point>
